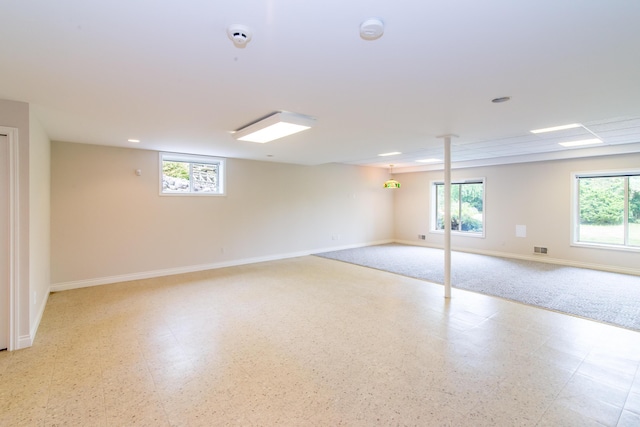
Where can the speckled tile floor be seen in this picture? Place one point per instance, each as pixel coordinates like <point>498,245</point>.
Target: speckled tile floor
<point>310,341</point>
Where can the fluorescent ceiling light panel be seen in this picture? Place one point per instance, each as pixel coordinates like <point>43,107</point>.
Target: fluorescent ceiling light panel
<point>556,128</point>
<point>393,153</point>
<point>275,126</point>
<point>581,142</point>
<point>429,161</point>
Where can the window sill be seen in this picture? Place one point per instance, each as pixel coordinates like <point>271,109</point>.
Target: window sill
<point>459,233</point>
<point>194,194</point>
<point>605,247</point>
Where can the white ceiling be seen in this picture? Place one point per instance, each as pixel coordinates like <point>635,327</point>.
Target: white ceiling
<point>165,72</point>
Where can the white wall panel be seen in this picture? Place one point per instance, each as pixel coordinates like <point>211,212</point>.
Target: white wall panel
<point>109,222</point>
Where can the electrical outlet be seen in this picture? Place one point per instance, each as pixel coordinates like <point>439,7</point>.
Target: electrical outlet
<point>422,237</point>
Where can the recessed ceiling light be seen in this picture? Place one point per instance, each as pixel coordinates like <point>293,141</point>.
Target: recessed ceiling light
<point>393,153</point>
<point>500,99</point>
<point>556,128</point>
<point>429,161</point>
<point>133,140</point>
<point>581,142</point>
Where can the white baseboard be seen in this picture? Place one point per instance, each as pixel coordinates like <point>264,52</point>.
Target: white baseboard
<point>36,323</point>
<point>25,341</point>
<point>64,286</point>
<point>537,258</point>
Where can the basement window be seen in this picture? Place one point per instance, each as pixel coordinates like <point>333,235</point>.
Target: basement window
<point>467,207</point>
<point>607,210</point>
<point>185,174</point>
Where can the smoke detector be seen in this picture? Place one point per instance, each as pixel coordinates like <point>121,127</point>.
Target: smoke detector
<point>371,29</point>
<point>240,35</point>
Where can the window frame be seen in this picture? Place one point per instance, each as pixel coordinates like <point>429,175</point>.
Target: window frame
<point>192,158</point>
<point>575,209</point>
<point>434,207</point>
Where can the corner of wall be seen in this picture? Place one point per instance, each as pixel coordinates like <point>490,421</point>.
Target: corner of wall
<point>39,221</point>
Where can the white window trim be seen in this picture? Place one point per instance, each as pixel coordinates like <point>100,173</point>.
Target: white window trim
<point>192,158</point>
<point>575,211</point>
<point>432,214</point>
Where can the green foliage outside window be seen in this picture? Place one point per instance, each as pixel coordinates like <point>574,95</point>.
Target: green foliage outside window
<point>176,169</point>
<point>602,201</point>
<point>466,207</point>
<point>634,199</point>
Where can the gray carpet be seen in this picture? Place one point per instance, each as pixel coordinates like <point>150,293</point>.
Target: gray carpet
<point>607,297</point>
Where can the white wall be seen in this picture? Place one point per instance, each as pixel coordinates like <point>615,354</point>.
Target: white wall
<point>536,194</point>
<point>109,224</point>
<point>39,221</point>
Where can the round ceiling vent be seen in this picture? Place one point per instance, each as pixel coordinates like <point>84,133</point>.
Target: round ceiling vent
<point>240,35</point>
<point>371,29</point>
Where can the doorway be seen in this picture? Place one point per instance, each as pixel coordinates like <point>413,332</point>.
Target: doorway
<point>9,238</point>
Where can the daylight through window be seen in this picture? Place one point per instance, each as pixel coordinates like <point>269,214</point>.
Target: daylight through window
<point>608,209</point>
<point>467,206</point>
<point>183,174</point>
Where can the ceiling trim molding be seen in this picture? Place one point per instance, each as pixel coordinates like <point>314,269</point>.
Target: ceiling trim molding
<point>609,150</point>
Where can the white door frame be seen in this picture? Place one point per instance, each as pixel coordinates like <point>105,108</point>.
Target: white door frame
<point>14,236</point>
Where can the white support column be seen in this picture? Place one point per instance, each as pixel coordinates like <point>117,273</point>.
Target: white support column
<point>447,214</point>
